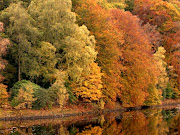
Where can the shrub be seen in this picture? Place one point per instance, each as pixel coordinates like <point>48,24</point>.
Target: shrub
<point>25,94</point>
<point>42,99</point>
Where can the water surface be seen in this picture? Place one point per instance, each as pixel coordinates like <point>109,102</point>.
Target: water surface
<point>139,122</point>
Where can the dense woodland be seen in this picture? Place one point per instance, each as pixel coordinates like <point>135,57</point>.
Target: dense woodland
<point>54,52</point>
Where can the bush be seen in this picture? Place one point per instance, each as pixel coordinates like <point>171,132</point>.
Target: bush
<point>25,94</point>
<point>23,84</point>
<point>42,99</point>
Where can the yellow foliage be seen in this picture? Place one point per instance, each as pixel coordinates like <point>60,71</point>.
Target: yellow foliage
<point>90,87</point>
<point>25,97</point>
<point>3,94</point>
<point>88,130</point>
<point>58,86</point>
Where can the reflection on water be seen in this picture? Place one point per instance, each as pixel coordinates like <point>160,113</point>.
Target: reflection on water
<point>141,122</point>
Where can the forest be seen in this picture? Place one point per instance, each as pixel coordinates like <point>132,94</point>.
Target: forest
<point>55,52</point>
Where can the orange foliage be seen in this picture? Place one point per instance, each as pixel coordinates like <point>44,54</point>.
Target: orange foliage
<point>166,15</point>
<point>124,52</point>
<point>3,94</point>
<point>137,58</point>
<point>134,123</point>
<point>176,64</point>
<point>108,39</point>
<point>90,87</point>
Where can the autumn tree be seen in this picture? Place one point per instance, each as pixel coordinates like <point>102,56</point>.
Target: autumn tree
<point>23,35</point>
<point>161,65</point>
<point>3,50</point>
<point>74,46</point>
<point>165,15</point>
<point>58,91</point>
<point>107,41</point>
<point>137,58</point>
<point>154,36</point>
<point>90,88</point>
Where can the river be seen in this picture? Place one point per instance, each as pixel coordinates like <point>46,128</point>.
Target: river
<point>157,121</point>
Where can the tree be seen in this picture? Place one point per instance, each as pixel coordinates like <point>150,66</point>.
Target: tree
<point>3,95</point>
<point>154,36</point>
<point>58,90</point>
<point>4,4</point>
<point>154,95</point>
<point>4,42</point>
<point>129,5</point>
<point>22,34</point>
<point>90,88</point>
<point>46,61</point>
<point>74,46</point>
<point>108,39</point>
<point>137,59</point>
<point>161,66</point>
<point>165,15</point>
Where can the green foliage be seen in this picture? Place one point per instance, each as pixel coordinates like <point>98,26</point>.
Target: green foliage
<point>164,94</point>
<point>72,98</point>
<point>23,35</point>
<point>75,46</point>
<point>169,91</point>
<point>22,85</point>
<point>42,99</point>
<point>45,61</point>
<point>109,4</point>
<point>14,102</point>
<point>175,94</point>
<point>3,35</point>
<point>129,5</point>
<point>22,94</point>
<point>4,4</point>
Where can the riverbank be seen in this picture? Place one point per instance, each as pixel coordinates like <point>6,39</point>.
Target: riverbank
<point>68,111</point>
